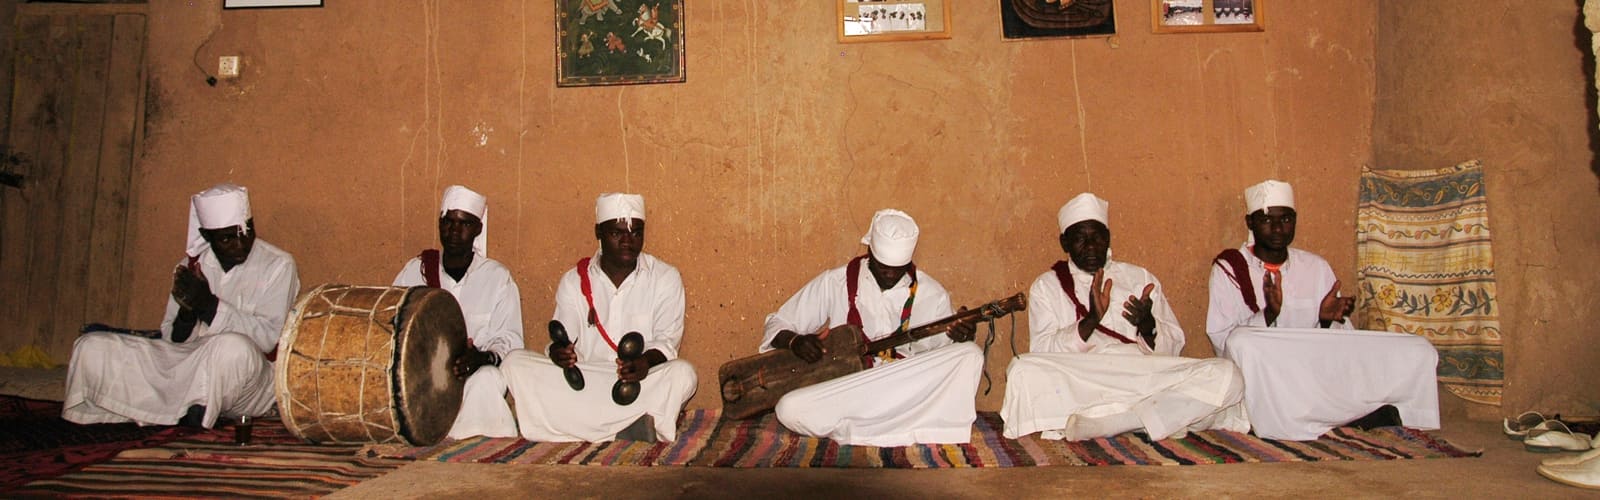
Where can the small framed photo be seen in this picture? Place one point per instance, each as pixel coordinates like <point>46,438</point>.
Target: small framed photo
<point>1042,19</point>
<point>892,20</point>
<point>259,4</point>
<point>1206,16</point>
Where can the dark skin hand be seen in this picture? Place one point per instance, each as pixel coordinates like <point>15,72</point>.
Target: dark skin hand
<point>191,290</point>
<point>634,371</point>
<point>1335,308</point>
<point>467,363</point>
<point>565,357</point>
<point>1136,310</point>
<point>639,368</point>
<point>1274,295</point>
<point>806,347</point>
<point>1099,301</point>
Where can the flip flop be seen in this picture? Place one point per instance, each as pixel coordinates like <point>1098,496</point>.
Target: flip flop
<point>1555,437</point>
<point>1517,429</point>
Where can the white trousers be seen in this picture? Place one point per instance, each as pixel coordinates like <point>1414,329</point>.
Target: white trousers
<point>927,398</point>
<point>120,378</point>
<point>550,411</point>
<point>1078,396</point>
<point>484,411</point>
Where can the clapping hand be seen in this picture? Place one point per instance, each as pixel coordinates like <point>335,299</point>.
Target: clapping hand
<point>1271,286</point>
<point>1099,301</point>
<point>1334,307</point>
<point>1137,311</point>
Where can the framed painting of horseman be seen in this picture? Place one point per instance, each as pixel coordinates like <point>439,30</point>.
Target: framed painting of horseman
<point>618,42</point>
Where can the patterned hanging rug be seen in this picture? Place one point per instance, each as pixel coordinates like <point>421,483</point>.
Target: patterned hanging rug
<point>1422,244</point>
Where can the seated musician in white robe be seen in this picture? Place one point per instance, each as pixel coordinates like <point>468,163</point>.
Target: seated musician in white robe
<point>1277,312</point>
<point>619,290</point>
<point>1099,366</point>
<point>928,397</point>
<point>489,302</point>
<point>230,297</point>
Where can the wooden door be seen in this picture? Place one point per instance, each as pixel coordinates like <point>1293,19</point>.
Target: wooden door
<point>76,116</point>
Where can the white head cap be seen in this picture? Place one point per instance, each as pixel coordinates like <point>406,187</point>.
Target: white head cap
<point>469,201</point>
<point>1085,206</point>
<point>892,237</point>
<point>613,206</point>
<point>1271,193</point>
<point>224,205</point>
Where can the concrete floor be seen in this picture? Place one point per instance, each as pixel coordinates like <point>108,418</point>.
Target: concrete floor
<point>1504,471</point>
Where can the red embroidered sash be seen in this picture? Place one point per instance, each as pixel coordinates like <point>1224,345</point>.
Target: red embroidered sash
<point>588,296</point>
<point>1064,276</point>
<point>430,268</point>
<point>1237,269</point>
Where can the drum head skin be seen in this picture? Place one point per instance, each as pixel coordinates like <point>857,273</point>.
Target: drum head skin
<point>430,397</point>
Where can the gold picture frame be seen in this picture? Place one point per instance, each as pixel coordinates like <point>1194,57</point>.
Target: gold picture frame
<point>892,20</point>
<point>1206,16</point>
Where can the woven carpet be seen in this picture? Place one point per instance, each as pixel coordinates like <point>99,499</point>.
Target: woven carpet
<point>705,440</point>
<point>1423,249</point>
<point>275,464</point>
<point>35,443</point>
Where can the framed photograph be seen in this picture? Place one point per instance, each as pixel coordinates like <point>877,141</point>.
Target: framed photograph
<point>891,20</point>
<point>619,42</point>
<point>1206,16</point>
<point>257,4</point>
<point>1025,19</point>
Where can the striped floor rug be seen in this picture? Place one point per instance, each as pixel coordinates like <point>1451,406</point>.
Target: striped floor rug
<point>275,464</point>
<point>35,443</point>
<point>704,440</point>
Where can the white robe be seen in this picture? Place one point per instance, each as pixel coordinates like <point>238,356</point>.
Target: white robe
<point>1306,280</point>
<point>492,307</point>
<point>1300,380</point>
<point>1075,389</point>
<point>651,302</point>
<point>927,398</point>
<point>119,378</point>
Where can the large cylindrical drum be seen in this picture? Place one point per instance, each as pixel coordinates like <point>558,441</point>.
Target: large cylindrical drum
<point>361,364</point>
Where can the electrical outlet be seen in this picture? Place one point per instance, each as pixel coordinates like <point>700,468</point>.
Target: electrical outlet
<point>228,67</point>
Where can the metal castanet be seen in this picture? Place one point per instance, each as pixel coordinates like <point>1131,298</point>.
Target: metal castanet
<point>752,385</point>
<point>628,349</point>
<point>559,340</point>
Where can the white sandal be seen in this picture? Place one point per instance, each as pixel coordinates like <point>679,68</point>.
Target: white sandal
<point>1517,429</point>
<point>1555,437</point>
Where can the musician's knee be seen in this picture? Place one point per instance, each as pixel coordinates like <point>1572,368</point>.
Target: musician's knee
<point>487,377</point>
<point>678,373</point>
<point>234,348</point>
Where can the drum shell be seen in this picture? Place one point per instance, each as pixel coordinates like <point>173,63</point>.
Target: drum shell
<point>371,365</point>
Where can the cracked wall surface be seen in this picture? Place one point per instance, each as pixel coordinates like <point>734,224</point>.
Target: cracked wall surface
<point>1506,82</point>
<point>764,168</point>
